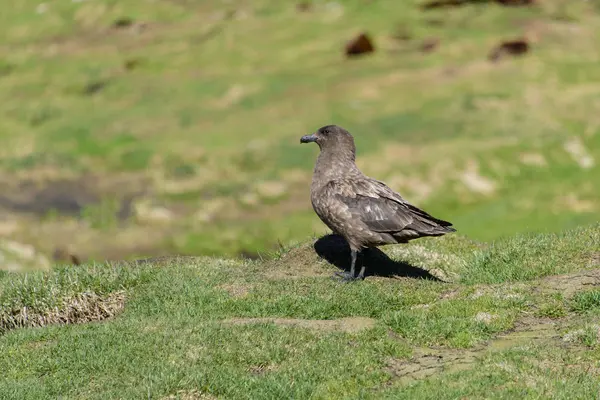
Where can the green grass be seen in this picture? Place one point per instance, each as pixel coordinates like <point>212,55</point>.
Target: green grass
<point>587,301</point>
<point>197,325</point>
<point>525,372</point>
<point>179,135</point>
<point>192,109</point>
<point>546,254</point>
<point>29,299</point>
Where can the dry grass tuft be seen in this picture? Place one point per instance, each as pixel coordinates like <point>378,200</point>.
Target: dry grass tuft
<point>236,290</point>
<point>83,307</point>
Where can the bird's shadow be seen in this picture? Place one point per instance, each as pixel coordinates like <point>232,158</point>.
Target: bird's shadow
<point>335,250</point>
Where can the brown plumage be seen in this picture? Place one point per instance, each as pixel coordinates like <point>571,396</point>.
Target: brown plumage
<point>365,211</point>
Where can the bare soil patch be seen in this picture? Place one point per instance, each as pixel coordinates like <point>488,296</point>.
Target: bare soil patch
<point>348,325</point>
<point>301,262</point>
<point>70,196</point>
<point>528,330</point>
<point>262,369</point>
<point>193,394</point>
<point>65,197</point>
<point>569,284</point>
<point>429,361</point>
<point>236,290</point>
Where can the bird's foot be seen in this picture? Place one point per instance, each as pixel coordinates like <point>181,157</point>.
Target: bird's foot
<point>347,277</point>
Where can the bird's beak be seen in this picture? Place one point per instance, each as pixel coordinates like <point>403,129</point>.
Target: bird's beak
<point>308,138</point>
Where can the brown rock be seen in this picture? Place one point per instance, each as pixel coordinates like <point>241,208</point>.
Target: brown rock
<point>443,4</point>
<point>516,2</point>
<point>433,4</point>
<point>362,44</point>
<point>123,22</point>
<point>304,6</point>
<point>131,64</point>
<point>430,44</point>
<point>62,255</point>
<point>515,47</point>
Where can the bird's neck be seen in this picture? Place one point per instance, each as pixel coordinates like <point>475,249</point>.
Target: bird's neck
<point>338,165</point>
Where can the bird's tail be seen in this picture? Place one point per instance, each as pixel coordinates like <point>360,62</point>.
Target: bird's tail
<point>437,230</point>
<point>429,219</point>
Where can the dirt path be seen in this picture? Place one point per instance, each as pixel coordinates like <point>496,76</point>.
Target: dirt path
<point>528,330</point>
<point>426,362</point>
<point>348,325</point>
<point>569,284</point>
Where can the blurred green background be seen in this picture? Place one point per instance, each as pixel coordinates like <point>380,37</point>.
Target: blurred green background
<point>139,128</point>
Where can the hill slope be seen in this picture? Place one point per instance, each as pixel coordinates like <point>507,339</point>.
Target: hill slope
<point>171,127</point>
<point>519,316</point>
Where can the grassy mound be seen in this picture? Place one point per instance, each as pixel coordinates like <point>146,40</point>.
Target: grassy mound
<point>518,315</point>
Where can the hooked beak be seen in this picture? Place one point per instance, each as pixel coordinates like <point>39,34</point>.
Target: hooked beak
<point>308,138</point>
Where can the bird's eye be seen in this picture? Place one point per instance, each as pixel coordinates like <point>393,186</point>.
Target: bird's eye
<point>325,132</point>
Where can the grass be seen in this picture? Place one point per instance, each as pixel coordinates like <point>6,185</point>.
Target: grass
<point>505,261</point>
<point>587,301</point>
<point>132,129</point>
<point>206,327</point>
<point>37,298</point>
<point>196,109</point>
<point>528,371</point>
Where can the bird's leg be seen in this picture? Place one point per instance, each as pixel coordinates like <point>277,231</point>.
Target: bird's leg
<point>361,274</point>
<point>349,276</point>
<point>363,267</point>
<point>352,263</point>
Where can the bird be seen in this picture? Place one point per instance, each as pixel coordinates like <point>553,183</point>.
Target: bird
<point>363,210</point>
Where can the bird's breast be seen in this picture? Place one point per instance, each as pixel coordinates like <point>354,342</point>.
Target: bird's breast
<point>329,209</point>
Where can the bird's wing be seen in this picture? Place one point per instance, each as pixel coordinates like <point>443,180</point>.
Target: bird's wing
<point>380,208</point>
<point>385,191</point>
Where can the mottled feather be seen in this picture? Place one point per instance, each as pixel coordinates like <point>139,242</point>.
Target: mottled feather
<point>381,209</point>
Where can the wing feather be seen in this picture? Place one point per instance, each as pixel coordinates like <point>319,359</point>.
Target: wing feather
<point>383,210</point>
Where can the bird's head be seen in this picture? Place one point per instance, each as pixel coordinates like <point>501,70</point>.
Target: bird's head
<point>331,137</point>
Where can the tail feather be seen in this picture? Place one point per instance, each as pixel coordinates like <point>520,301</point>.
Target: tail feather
<point>428,225</point>
<point>424,216</point>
